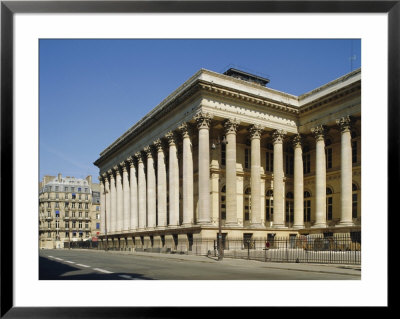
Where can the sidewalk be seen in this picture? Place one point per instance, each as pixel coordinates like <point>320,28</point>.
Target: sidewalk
<point>323,268</point>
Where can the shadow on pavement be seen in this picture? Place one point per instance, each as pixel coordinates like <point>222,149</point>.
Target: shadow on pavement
<point>53,270</point>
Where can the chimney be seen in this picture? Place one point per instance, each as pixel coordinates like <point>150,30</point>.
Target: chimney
<point>59,177</point>
<point>89,179</point>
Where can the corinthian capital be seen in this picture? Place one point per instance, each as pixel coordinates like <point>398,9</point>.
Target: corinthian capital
<point>231,125</point>
<point>297,140</point>
<point>171,138</point>
<point>278,136</point>
<point>319,132</point>
<point>159,145</point>
<point>255,131</point>
<point>130,161</point>
<point>139,157</point>
<point>148,150</point>
<point>185,130</point>
<point>345,123</point>
<point>203,120</point>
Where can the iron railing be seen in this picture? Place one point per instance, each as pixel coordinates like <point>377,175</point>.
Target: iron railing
<point>334,249</point>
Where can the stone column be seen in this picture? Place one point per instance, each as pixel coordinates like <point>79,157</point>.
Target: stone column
<point>298,183</point>
<point>230,172</point>
<point>102,204</point>
<point>107,206</point>
<point>133,205</point>
<point>187,170</point>
<point>346,218</point>
<point>161,185</point>
<point>120,199</point>
<point>141,192</point>
<point>173,180</point>
<point>126,196</point>
<point>256,211</point>
<point>320,177</point>
<point>203,124</point>
<point>278,178</point>
<point>113,199</point>
<point>151,189</point>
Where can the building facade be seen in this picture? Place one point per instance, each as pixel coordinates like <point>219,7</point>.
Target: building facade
<point>68,208</point>
<point>224,147</point>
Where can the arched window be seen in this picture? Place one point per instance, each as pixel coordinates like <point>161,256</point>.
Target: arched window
<point>289,208</point>
<point>269,202</point>
<point>307,206</point>
<point>223,202</point>
<point>354,200</point>
<point>329,203</point>
<point>247,204</point>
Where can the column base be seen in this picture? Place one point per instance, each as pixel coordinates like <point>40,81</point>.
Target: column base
<point>279,226</point>
<point>257,225</point>
<point>319,226</point>
<point>345,224</point>
<point>298,226</point>
<point>204,222</point>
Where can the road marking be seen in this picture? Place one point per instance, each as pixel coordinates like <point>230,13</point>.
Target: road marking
<point>125,276</point>
<point>86,266</point>
<point>70,262</point>
<point>58,258</point>
<point>51,256</point>
<point>102,270</point>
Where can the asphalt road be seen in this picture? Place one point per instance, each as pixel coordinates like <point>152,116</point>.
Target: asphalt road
<point>100,265</point>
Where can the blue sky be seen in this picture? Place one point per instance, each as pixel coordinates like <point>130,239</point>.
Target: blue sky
<point>92,91</point>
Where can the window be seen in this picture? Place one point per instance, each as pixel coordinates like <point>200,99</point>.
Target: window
<point>80,225</point>
<point>269,201</point>
<point>354,200</point>
<point>66,224</point>
<point>73,196</point>
<point>80,214</point>
<point>223,154</point>
<point>306,160</point>
<point>49,234</point>
<point>97,225</point>
<point>354,151</point>
<point>97,216</point>
<point>73,205</point>
<point>66,196</point>
<point>269,158</point>
<point>74,224</point>
<point>66,234</point>
<point>97,207</point>
<point>74,234</point>
<point>48,204</point>
<point>86,225</point>
<point>57,224</point>
<point>66,204</point>
<point>56,188</point>
<point>86,206</point>
<point>66,188</point>
<point>49,224</point>
<point>86,190</point>
<point>307,206</point>
<point>86,197</point>
<point>56,205</point>
<point>247,204</point>
<point>79,189</point>
<point>289,164</point>
<point>57,196</point>
<point>289,208</point>
<point>80,197</point>
<point>86,214</point>
<point>223,203</point>
<point>80,205</point>
<point>329,203</point>
<point>73,214</point>
<point>72,189</point>
<point>57,213</point>
<point>247,158</point>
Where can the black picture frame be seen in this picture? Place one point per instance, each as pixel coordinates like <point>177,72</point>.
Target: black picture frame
<point>9,8</point>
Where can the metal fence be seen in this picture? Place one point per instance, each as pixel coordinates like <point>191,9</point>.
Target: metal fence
<point>327,249</point>
<point>88,244</point>
<point>300,249</point>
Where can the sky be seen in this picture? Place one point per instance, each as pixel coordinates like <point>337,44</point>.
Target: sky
<point>92,91</point>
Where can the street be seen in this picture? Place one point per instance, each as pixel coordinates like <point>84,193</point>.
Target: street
<point>100,265</point>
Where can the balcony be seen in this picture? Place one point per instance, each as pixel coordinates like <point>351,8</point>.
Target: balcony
<point>49,217</point>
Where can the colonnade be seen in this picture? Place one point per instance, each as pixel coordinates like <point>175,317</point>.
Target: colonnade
<point>141,194</point>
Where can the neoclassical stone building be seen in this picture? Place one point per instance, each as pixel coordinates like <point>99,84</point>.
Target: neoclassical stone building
<point>269,162</point>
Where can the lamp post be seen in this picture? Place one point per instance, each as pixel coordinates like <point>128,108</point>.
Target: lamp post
<point>105,217</point>
<point>220,248</point>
